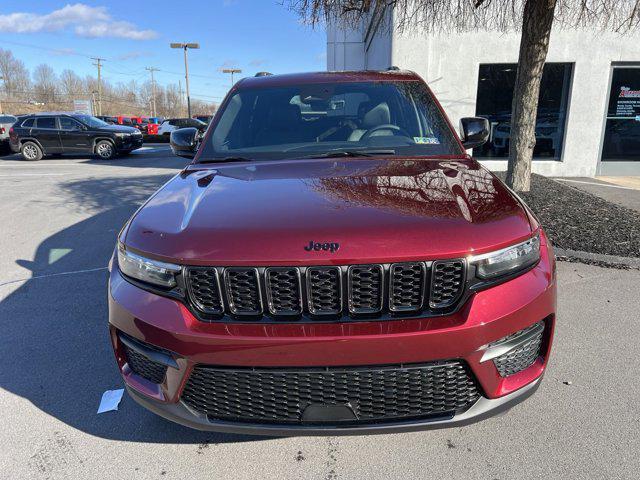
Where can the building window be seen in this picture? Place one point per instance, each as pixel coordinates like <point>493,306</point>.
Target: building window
<point>622,130</point>
<point>495,94</point>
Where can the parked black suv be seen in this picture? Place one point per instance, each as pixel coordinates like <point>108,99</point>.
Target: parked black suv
<point>38,135</point>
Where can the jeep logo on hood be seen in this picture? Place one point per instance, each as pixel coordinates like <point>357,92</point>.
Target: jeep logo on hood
<point>326,246</point>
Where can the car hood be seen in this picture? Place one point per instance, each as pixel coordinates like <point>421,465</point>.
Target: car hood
<point>266,213</point>
<point>119,128</point>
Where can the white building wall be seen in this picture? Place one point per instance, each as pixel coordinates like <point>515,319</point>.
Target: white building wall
<point>345,49</point>
<point>450,64</point>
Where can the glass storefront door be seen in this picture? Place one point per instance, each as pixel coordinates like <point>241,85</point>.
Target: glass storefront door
<point>622,128</point>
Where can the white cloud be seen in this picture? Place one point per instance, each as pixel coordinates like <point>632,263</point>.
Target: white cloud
<point>85,21</point>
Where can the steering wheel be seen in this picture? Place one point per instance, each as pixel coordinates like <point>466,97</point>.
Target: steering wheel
<point>387,126</point>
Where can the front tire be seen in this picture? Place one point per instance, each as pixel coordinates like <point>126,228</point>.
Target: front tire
<point>105,150</point>
<point>31,151</point>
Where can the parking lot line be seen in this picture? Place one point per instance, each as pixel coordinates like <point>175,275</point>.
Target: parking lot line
<point>42,165</point>
<point>2,284</point>
<point>33,175</point>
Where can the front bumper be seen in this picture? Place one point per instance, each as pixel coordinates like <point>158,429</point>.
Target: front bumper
<point>466,335</point>
<point>129,143</point>
<point>484,408</point>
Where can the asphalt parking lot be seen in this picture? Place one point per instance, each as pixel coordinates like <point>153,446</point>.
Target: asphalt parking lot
<point>59,222</point>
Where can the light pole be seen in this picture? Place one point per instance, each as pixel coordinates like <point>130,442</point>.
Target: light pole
<point>1,78</point>
<point>185,47</point>
<point>231,71</point>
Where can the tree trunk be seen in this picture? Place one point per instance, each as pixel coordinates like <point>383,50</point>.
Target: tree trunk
<point>534,45</point>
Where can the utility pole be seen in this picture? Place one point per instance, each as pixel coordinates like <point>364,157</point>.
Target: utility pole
<point>153,90</point>
<point>1,78</point>
<point>93,101</point>
<point>231,71</point>
<point>185,47</point>
<point>99,65</point>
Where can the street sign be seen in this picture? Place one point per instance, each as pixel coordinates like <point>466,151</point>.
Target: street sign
<point>83,106</point>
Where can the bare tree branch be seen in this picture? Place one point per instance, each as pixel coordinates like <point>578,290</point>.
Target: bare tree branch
<point>468,15</point>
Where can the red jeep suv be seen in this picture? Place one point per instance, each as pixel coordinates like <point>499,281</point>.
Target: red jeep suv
<point>331,262</point>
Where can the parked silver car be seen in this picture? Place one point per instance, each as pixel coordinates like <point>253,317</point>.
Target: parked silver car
<point>6,122</point>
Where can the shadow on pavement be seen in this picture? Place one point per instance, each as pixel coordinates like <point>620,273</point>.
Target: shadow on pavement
<point>151,156</point>
<point>54,340</point>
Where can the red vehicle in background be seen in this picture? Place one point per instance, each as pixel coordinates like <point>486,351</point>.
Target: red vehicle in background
<point>125,120</point>
<point>147,125</point>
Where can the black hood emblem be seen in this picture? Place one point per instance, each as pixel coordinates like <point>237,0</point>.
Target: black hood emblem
<point>326,246</point>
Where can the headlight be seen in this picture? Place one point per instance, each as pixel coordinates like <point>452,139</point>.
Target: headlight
<point>508,260</point>
<point>146,270</point>
<point>123,134</point>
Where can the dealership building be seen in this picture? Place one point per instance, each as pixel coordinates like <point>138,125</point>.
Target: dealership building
<point>589,111</point>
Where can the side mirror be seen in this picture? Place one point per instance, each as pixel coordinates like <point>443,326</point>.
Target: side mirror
<point>184,142</point>
<point>475,131</point>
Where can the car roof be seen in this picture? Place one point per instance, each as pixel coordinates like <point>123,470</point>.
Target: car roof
<point>49,114</point>
<point>326,77</point>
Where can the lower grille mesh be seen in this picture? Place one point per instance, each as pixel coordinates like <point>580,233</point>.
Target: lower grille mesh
<point>141,365</point>
<point>373,393</point>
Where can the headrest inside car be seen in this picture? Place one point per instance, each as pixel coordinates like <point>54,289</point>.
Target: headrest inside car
<point>378,115</point>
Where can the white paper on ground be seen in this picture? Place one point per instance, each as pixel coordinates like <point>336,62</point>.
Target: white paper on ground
<point>110,400</point>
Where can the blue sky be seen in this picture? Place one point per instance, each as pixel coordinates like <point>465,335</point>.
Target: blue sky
<point>253,35</point>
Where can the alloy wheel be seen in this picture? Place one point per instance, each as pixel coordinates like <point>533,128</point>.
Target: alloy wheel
<point>30,152</point>
<point>105,150</point>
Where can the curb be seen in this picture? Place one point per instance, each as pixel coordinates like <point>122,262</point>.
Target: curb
<point>596,258</point>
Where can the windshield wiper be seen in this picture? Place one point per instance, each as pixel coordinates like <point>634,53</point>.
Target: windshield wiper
<point>226,159</point>
<point>351,153</point>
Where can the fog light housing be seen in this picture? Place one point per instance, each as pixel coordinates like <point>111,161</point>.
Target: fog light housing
<point>516,352</point>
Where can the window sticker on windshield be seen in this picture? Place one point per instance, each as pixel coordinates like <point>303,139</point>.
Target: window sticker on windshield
<point>427,140</point>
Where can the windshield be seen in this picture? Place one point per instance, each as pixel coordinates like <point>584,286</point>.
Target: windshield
<point>91,121</point>
<point>394,118</point>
